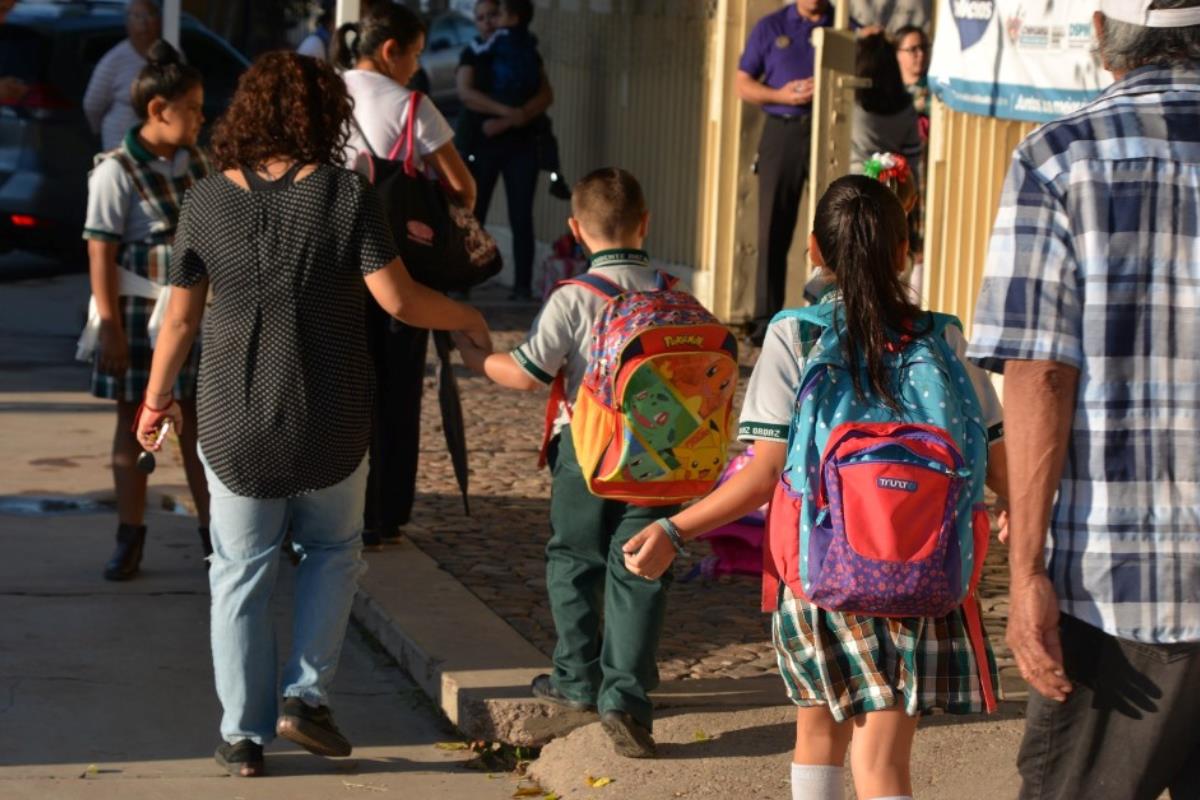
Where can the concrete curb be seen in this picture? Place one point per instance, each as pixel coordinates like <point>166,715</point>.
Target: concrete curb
<point>477,668</point>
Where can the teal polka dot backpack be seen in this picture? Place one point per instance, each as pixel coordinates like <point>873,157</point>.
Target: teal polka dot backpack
<point>880,512</point>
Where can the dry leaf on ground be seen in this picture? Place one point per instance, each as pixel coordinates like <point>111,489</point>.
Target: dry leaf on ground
<point>366,787</point>
<point>452,746</point>
<point>529,790</point>
<point>598,783</point>
<point>701,736</point>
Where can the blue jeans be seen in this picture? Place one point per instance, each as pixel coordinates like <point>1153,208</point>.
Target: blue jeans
<point>247,532</point>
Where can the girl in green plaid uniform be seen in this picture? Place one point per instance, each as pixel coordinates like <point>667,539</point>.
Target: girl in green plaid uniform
<point>853,677</point>
<point>134,195</point>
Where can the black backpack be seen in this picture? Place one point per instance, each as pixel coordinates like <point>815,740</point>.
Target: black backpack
<point>440,241</point>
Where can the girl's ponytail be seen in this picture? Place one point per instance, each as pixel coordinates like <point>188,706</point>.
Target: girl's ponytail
<point>861,227</point>
<point>345,46</point>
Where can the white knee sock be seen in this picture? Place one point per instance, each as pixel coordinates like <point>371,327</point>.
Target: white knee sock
<point>817,782</point>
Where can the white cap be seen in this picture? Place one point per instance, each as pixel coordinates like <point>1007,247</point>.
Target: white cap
<point>1138,12</point>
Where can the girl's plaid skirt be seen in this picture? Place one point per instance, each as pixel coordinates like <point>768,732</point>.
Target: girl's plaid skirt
<point>131,387</point>
<point>855,664</point>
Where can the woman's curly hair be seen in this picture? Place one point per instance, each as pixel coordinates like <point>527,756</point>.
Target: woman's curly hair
<point>286,106</point>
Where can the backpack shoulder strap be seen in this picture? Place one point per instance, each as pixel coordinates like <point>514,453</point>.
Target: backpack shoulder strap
<point>819,316</point>
<point>666,281</point>
<point>596,284</point>
<point>943,321</point>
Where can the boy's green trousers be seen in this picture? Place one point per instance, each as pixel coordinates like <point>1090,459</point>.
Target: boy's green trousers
<point>608,620</point>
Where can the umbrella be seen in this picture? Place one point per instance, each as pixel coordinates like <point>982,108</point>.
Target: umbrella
<point>452,414</point>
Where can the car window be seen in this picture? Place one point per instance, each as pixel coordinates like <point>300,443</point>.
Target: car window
<point>442,34</point>
<point>466,31</point>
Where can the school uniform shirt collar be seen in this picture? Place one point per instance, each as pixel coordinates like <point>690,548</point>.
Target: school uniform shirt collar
<point>133,145</point>
<point>619,258</point>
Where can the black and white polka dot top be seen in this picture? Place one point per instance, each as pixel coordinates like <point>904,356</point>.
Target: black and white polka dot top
<point>285,379</point>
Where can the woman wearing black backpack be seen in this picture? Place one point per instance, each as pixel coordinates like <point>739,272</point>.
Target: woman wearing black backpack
<point>380,55</point>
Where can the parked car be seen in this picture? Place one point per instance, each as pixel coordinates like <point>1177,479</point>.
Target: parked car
<point>46,147</point>
<point>449,34</point>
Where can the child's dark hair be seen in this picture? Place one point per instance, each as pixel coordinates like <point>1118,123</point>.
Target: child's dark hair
<point>608,203</point>
<point>165,75</point>
<point>877,60</point>
<point>362,39</point>
<point>900,33</point>
<point>521,9</point>
<point>860,228</point>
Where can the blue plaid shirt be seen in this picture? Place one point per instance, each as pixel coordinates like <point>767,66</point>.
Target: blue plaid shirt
<point>1095,262</point>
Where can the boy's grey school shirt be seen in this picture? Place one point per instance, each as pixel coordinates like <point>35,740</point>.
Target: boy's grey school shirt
<point>561,336</point>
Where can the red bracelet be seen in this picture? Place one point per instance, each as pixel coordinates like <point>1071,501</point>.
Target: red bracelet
<point>149,407</point>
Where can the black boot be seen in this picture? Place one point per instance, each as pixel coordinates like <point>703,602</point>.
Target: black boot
<point>126,559</point>
<point>205,544</point>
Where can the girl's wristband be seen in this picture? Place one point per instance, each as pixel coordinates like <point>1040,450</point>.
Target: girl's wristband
<point>673,534</point>
<point>146,401</point>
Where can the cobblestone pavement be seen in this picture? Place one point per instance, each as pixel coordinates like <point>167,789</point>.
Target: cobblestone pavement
<point>714,628</point>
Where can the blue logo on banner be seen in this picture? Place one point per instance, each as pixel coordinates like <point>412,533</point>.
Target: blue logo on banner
<point>896,484</point>
<point>972,18</point>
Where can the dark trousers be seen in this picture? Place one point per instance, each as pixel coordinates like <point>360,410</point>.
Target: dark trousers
<point>398,354</point>
<point>608,620</point>
<point>1130,730</point>
<point>513,156</point>
<point>782,171</point>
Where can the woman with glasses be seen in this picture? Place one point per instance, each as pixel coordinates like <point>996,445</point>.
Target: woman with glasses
<point>912,54</point>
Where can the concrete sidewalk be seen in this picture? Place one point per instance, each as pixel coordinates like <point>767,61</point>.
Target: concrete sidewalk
<point>464,616</point>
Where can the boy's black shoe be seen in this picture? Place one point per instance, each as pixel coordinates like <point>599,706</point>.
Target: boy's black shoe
<point>544,689</point>
<point>241,760</point>
<point>629,738</point>
<point>312,728</point>
<point>127,558</point>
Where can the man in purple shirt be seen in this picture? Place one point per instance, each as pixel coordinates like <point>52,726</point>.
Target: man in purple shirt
<point>776,73</point>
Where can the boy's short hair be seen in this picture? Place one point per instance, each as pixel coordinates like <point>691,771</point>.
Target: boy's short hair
<point>521,9</point>
<point>608,203</point>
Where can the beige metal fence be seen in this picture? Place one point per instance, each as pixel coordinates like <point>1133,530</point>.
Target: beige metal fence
<point>969,157</point>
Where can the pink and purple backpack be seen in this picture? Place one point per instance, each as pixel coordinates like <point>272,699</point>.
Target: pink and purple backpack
<point>879,512</point>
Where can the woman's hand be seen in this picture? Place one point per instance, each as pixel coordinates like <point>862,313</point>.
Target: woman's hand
<point>114,350</point>
<point>649,553</point>
<point>478,334</point>
<point>495,126</point>
<point>150,421</point>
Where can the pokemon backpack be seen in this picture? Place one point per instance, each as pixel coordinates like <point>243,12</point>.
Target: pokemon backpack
<point>651,420</point>
<point>880,512</point>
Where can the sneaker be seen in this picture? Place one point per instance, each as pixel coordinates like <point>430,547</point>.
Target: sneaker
<point>242,759</point>
<point>544,689</point>
<point>311,728</point>
<point>628,736</point>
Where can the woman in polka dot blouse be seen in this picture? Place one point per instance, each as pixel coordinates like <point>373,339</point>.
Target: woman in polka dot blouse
<point>284,239</point>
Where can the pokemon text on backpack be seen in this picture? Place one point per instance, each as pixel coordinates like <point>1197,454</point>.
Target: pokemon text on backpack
<point>879,512</point>
<point>651,421</point>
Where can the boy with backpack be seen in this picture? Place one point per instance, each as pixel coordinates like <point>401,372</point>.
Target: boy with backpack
<point>652,376</point>
<point>873,437</point>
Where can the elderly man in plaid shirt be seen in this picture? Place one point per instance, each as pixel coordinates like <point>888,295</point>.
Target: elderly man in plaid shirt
<point>1091,308</point>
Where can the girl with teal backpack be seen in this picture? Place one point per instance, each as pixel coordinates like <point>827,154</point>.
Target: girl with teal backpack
<point>873,438</point>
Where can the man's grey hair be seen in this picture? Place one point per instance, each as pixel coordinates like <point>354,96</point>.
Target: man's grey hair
<point>1124,47</point>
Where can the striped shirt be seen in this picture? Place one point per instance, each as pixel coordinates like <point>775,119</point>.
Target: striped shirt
<point>107,102</point>
<point>1095,263</point>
